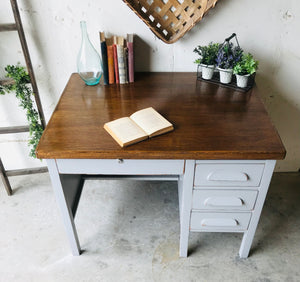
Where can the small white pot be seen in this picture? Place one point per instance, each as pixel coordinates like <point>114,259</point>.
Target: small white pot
<point>207,71</point>
<point>242,80</point>
<point>225,75</point>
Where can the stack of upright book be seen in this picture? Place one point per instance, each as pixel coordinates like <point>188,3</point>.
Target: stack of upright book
<point>118,59</point>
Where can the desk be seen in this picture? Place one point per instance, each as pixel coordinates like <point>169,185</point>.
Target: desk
<point>222,152</point>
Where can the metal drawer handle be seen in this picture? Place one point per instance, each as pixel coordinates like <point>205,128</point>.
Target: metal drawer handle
<point>120,161</point>
<point>223,202</point>
<point>219,222</point>
<point>227,175</point>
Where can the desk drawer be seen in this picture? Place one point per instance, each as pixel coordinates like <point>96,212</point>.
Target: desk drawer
<point>224,199</point>
<point>219,222</point>
<point>121,167</point>
<point>228,174</point>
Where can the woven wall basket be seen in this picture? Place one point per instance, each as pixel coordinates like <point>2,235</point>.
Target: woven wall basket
<point>170,19</point>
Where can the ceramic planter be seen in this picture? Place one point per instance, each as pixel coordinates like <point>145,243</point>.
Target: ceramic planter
<point>207,71</point>
<point>225,75</point>
<point>242,80</point>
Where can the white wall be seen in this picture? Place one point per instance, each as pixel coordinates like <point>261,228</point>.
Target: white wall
<point>269,29</point>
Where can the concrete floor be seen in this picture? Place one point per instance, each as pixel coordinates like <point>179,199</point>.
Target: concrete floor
<point>129,232</point>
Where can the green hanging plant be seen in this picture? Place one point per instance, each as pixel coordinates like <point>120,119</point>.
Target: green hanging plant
<point>24,95</point>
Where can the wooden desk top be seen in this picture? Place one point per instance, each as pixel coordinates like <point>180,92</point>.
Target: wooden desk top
<point>211,121</point>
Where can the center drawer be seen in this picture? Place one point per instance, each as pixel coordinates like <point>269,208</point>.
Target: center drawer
<point>121,166</point>
<point>224,199</point>
<point>228,174</point>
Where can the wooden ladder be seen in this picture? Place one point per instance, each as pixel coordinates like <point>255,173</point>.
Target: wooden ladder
<point>17,26</point>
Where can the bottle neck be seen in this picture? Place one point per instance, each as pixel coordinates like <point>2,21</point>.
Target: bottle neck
<point>84,31</point>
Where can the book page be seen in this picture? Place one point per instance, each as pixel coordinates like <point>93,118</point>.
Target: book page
<point>151,121</point>
<point>125,131</point>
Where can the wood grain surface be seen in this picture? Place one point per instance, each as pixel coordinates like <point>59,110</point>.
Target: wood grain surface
<point>210,121</point>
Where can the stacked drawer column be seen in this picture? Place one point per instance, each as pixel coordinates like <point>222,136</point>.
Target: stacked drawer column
<point>228,196</point>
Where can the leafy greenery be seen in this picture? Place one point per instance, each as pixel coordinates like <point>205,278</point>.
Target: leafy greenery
<point>208,54</point>
<point>247,65</point>
<point>23,94</point>
<point>228,56</point>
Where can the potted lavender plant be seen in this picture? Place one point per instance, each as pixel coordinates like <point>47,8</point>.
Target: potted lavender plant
<point>227,57</point>
<point>207,59</point>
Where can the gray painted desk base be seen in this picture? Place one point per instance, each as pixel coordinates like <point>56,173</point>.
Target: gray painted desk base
<point>214,196</point>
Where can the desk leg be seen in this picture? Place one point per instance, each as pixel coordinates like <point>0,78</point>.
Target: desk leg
<point>249,234</point>
<point>67,203</point>
<point>185,191</point>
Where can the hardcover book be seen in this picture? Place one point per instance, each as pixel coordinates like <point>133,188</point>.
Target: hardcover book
<point>141,125</point>
<point>116,68</point>
<point>104,57</point>
<point>130,57</point>
<point>110,60</point>
<point>121,59</point>
<point>126,63</point>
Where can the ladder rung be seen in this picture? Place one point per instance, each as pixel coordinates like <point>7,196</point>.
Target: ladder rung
<point>24,171</point>
<point>8,27</point>
<point>7,81</point>
<point>14,129</point>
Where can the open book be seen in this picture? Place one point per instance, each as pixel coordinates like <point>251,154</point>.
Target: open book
<point>139,126</point>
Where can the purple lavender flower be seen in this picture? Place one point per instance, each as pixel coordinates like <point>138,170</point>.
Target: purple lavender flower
<point>228,56</point>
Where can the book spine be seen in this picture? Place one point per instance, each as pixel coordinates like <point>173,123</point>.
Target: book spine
<point>110,64</point>
<point>121,64</point>
<point>126,63</point>
<point>116,63</point>
<point>130,62</point>
<point>104,62</point>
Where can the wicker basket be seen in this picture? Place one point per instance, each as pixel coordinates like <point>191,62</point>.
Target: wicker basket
<point>170,19</point>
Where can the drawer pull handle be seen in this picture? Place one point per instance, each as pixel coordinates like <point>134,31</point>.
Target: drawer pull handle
<point>223,202</point>
<point>120,161</point>
<point>219,222</point>
<point>227,175</point>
